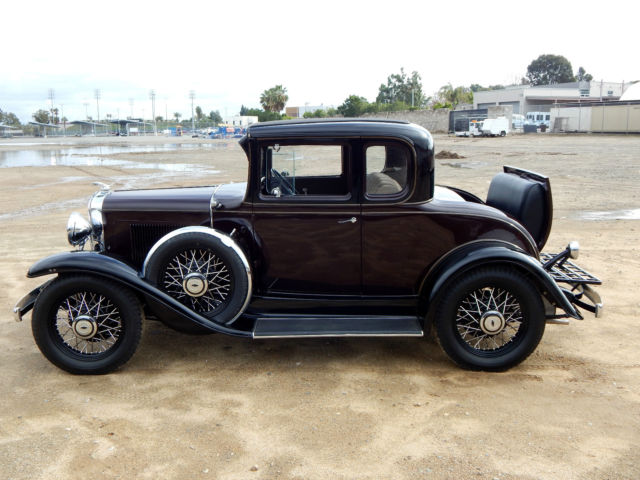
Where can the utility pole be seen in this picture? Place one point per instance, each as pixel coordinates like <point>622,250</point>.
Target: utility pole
<point>131,105</point>
<point>152,94</point>
<point>192,96</point>
<point>97,96</point>
<point>51,96</point>
<point>86,110</point>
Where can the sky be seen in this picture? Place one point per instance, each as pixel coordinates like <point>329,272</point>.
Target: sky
<point>322,52</point>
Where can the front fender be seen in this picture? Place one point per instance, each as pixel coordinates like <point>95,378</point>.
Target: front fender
<point>101,265</point>
<point>493,253</point>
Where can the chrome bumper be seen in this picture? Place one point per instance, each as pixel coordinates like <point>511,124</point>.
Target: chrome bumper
<point>26,303</point>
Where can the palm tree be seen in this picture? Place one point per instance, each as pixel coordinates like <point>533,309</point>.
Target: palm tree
<point>177,116</point>
<point>274,99</point>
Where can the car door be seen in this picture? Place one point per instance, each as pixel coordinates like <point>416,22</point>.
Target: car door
<point>389,231</point>
<point>306,219</point>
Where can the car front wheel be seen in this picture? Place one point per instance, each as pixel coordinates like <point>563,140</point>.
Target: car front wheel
<point>490,319</point>
<point>86,325</point>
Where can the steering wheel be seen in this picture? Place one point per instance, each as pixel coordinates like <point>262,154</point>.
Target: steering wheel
<point>283,183</point>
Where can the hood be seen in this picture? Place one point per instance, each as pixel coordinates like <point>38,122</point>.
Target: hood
<point>230,195</point>
<point>194,199</point>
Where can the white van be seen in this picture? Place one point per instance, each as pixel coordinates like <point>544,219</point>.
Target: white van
<point>495,126</point>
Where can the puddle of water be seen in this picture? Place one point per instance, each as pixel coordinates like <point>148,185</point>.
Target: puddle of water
<point>633,214</point>
<point>93,156</point>
<point>118,183</point>
<point>464,164</point>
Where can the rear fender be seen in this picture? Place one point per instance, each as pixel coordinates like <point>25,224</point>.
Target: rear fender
<point>97,264</point>
<point>475,255</point>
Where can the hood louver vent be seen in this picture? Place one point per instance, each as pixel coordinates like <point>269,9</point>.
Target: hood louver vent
<point>144,236</point>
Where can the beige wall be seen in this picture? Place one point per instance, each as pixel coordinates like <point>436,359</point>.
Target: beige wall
<point>615,118</point>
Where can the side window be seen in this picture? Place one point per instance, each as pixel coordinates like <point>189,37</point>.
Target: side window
<point>303,170</point>
<point>386,169</point>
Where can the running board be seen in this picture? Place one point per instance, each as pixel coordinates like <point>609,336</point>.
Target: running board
<point>337,326</point>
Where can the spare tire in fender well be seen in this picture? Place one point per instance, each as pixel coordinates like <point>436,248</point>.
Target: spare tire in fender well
<point>204,269</point>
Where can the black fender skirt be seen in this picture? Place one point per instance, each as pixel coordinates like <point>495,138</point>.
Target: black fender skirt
<point>476,255</point>
<point>101,265</point>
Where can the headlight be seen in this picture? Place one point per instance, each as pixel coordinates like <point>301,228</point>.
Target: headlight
<point>78,229</point>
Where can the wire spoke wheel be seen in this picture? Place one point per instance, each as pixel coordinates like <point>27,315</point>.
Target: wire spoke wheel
<point>199,279</point>
<point>88,323</point>
<point>489,319</point>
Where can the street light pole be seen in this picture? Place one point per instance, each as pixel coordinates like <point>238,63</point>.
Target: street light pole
<point>192,95</point>
<point>51,95</point>
<point>97,95</point>
<point>152,94</point>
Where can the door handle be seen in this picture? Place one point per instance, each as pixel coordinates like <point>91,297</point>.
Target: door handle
<point>349,220</point>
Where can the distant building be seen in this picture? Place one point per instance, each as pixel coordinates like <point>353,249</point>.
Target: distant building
<point>527,98</point>
<point>298,112</point>
<point>240,120</point>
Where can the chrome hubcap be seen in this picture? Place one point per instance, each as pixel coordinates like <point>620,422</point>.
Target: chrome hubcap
<point>199,279</point>
<point>492,322</point>
<point>195,284</point>
<point>85,326</point>
<point>88,323</point>
<point>489,318</point>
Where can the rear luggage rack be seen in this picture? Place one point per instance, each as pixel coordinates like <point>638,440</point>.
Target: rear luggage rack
<point>568,272</point>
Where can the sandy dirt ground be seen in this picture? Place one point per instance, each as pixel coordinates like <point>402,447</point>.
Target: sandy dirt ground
<point>226,408</point>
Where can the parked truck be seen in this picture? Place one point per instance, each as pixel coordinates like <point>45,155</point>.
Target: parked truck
<point>492,127</point>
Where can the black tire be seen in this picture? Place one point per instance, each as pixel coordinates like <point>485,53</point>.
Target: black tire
<point>207,257</point>
<point>503,133</point>
<point>490,319</point>
<point>95,306</point>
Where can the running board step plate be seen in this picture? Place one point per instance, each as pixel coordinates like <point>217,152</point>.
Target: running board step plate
<point>336,326</point>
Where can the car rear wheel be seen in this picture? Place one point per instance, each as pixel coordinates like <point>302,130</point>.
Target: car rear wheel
<point>490,319</point>
<point>202,272</point>
<point>86,325</point>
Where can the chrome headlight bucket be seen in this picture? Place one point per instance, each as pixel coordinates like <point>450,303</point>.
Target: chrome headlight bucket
<point>78,230</point>
<point>96,218</point>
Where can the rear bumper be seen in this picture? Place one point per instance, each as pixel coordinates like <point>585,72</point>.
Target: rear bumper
<point>578,295</point>
<point>25,304</point>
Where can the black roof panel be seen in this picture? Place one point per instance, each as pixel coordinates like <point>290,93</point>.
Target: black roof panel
<point>341,128</point>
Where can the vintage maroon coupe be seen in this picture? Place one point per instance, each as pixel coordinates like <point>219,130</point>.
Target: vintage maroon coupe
<point>339,231</point>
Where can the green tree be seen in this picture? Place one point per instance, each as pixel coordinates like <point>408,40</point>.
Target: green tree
<point>475,87</point>
<point>582,75</point>
<point>177,116</point>
<point>199,114</point>
<point>251,112</point>
<point>215,117</point>
<point>41,116</point>
<point>453,96</point>
<point>159,118</point>
<point>548,69</point>
<point>319,113</point>
<point>353,106</point>
<point>274,99</point>
<point>402,88</point>
<point>10,119</point>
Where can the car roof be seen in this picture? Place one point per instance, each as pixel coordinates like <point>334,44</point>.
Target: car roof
<point>341,128</point>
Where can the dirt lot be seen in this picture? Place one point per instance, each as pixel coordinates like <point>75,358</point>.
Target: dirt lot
<point>225,408</point>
